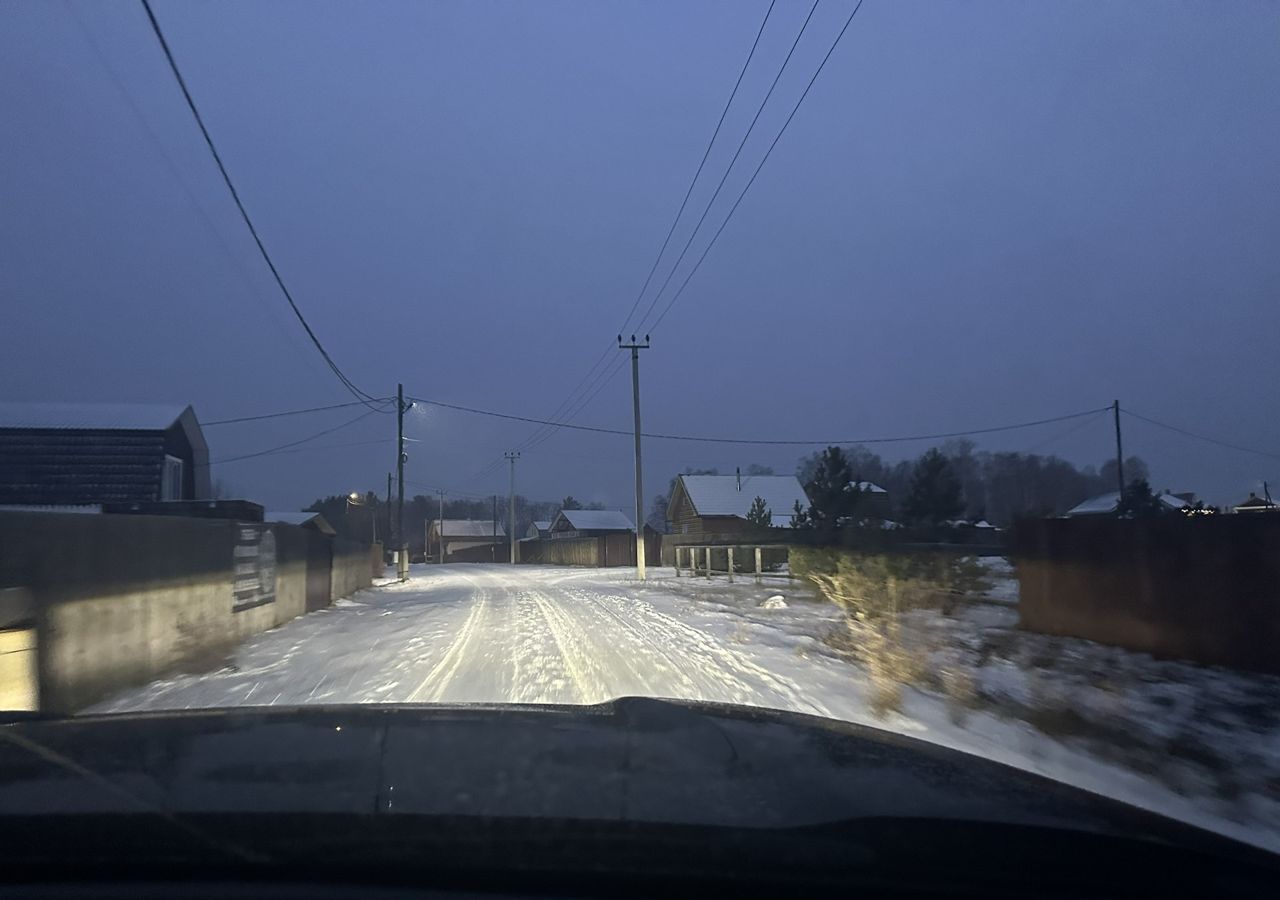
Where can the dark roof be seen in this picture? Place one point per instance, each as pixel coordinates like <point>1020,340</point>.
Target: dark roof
<point>85,453</point>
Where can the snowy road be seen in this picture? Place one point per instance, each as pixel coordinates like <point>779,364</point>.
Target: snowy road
<point>476,633</point>
<point>530,634</point>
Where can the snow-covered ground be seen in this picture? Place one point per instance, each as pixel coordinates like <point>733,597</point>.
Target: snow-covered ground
<point>559,635</point>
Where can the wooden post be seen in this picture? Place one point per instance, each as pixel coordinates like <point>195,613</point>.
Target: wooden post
<point>677,562</point>
<point>731,565</point>
<point>758,566</point>
<point>708,561</point>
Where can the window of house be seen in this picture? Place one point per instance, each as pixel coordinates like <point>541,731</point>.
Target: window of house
<point>171,482</point>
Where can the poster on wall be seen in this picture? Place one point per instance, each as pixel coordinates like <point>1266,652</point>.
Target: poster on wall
<point>253,562</point>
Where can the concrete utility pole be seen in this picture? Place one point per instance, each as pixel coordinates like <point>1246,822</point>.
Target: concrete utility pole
<point>511,532</point>
<point>388,516</point>
<point>440,527</point>
<point>635,349</point>
<point>1115,407</point>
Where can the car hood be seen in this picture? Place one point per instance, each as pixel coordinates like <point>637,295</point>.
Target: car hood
<point>633,759</point>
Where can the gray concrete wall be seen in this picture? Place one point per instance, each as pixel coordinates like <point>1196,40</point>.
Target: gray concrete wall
<point>120,600</point>
<point>352,570</point>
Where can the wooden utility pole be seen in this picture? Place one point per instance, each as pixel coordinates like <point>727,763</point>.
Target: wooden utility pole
<point>511,526</point>
<point>635,349</point>
<point>1115,407</point>
<point>401,543</point>
<point>389,541</point>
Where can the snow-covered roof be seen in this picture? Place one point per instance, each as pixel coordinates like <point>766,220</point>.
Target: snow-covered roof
<point>542,524</point>
<point>870,487</point>
<point>597,519</point>
<point>470,528</point>
<point>1103,504</point>
<point>719,495</point>
<point>91,416</point>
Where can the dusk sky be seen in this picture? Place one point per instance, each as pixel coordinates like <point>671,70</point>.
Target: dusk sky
<point>982,214</point>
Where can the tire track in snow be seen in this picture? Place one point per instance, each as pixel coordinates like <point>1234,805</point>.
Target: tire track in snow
<point>729,659</point>
<point>437,680</point>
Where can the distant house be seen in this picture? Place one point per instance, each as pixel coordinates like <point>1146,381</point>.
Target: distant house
<point>537,529</point>
<point>578,523</point>
<point>874,502</point>
<point>1256,504</point>
<point>1107,504</point>
<point>87,454</point>
<point>714,504</point>
<point>464,540</point>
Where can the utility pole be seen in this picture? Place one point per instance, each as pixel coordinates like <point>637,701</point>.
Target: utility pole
<point>635,349</point>
<point>494,545</point>
<point>401,458</point>
<point>1115,407</point>
<point>388,514</point>
<point>440,527</point>
<point>511,528</point>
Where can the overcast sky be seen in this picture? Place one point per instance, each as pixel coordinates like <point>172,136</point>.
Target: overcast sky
<point>983,213</point>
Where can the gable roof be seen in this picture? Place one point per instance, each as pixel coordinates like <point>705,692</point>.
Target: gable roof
<point>595,520</point>
<point>468,528</point>
<point>719,495</point>
<point>542,524</point>
<point>314,519</point>
<point>91,416</point>
<point>1104,504</point>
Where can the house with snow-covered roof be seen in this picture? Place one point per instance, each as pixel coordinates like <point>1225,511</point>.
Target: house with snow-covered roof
<point>718,504</point>
<point>574,523</point>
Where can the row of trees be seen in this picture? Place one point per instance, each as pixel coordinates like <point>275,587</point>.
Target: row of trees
<point>957,481</point>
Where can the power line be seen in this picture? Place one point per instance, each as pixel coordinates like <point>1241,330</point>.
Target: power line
<point>725,177</point>
<point>281,415</point>
<point>308,449</point>
<point>752,180</point>
<point>235,195</point>
<point>1053,439</point>
<point>763,443</point>
<point>705,154</point>
<point>545,432</point>
<point>1200,437</point>
<point>282,447</point>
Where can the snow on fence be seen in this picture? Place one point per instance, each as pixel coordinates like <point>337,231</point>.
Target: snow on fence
<point>757,560</point>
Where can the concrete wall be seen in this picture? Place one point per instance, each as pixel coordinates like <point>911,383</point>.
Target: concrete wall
<point>351,569</point>
<point>120,600</point>
<point>1206,589</point>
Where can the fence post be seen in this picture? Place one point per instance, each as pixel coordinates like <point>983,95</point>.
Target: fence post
<point>677,562</point>
<point>731,565</point>
<point>758,566</point>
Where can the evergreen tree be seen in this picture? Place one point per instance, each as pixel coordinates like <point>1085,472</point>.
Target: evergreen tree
<point>570,503</point>
<point>758,514</point>
<point>934,494</point>
<point>833,495</point>
<point>1139,501</point>
<point>800,517</point>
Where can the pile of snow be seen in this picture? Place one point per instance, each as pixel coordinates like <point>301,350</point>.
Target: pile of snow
<point>777,601</point>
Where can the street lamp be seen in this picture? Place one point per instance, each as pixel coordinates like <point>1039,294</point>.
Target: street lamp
<point>353,499</point>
